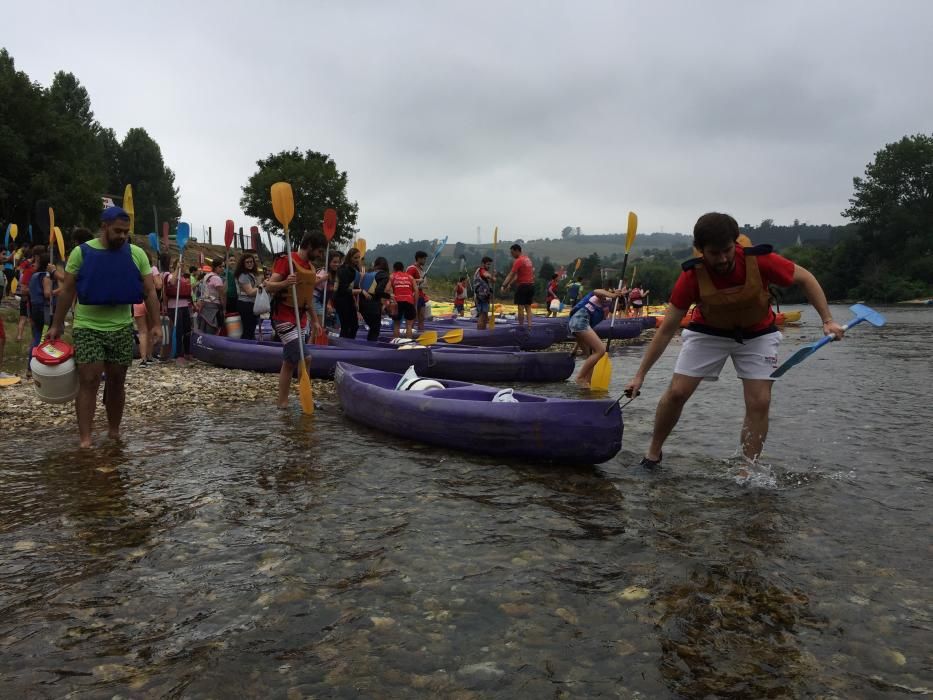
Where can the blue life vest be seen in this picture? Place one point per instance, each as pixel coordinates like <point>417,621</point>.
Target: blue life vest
<point>109,277</point>
<point>594,307</point>
<point>36,295</point>
<point>369,282</point>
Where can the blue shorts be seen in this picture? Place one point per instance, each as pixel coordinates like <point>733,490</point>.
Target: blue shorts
<point>421,302</point>
<point>482,307</point>
<point>580,321</point>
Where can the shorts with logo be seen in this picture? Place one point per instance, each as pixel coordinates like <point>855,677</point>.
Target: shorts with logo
<point>524,294</point>
<point>704,355</point>
<point>113,347</point>
<point>288,334</point>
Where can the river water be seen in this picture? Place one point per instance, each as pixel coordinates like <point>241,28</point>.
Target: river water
<point>263,554</point>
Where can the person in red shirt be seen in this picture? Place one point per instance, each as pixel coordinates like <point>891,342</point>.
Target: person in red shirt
<point>552,308</point>
<point>416,271</point>
<point>284,321</point>
<point>402,296</point>
<point>26,267</point>
<point>460,296</point>
<point>733,319</point>
<point>523,274</point>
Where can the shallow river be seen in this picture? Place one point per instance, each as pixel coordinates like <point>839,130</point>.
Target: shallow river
<point>259,554</point>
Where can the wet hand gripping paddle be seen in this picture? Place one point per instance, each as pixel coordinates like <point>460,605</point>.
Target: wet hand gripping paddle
<point>283,204</point>
<point>330,228</point>
<point>862,313</point>
<point>602,372</point>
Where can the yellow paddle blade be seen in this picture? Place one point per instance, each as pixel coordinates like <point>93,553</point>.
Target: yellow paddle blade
<point>454,336</point>
<point>128,206</point>
<point>495,236</point>
<point>304,391</point>
<point>13,285</point>
<point>9,381</point>
<point>602,373</point>
<point>283,203</point>
<point>60,241</point>
<point>427,338</point>
<point>491,323</point>
<point>14,231</point>
<point>577,266</point>
<point>361,246</point>
<point>632,228</point>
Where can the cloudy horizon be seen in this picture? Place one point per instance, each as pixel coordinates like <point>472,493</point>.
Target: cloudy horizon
<point>526,116</point>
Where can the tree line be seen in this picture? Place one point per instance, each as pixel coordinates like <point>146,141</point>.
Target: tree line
<point>52,148</point>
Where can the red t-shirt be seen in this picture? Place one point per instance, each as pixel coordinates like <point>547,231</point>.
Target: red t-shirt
<point>415,273</point>
<point>282,312</point>
<point>25,272</point>
<point>551,290</point>
<point>524,270</point>
<point>773,269</point>
<point>403,287</point>
<point>460,293</point>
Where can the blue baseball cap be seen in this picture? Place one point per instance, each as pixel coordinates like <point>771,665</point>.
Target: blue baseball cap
<point>113,213</point>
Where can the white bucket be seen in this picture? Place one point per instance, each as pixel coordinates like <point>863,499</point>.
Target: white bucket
<point>234,325</point>
<point>54,373</point>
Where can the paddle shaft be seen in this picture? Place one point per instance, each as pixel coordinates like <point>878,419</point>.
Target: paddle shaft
<point>615,306</point>
<point>326,283</point>
<point>291,271</point>
<point>181,254</point>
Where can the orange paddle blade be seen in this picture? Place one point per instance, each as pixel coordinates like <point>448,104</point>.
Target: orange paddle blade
<point>283,204</point>
<point>304,391</point>
<point>330,223</point>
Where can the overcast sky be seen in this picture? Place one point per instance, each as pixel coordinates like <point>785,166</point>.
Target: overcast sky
<point>527,115</point>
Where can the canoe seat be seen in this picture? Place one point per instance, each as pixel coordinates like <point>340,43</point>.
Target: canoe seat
<point>472,393</point>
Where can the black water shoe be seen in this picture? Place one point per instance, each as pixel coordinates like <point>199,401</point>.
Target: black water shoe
<point>651,464</point>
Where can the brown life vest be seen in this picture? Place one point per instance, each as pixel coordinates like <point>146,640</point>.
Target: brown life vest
<point>736,308</point>
<point>304,287</point>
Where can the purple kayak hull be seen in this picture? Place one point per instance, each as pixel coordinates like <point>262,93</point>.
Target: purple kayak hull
<point>266,356</point>
<point>624,328</point>
<point>463,416</point>
<point>473,364</point>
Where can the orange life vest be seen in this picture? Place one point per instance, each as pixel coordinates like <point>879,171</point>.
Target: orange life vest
<point>304,287</point>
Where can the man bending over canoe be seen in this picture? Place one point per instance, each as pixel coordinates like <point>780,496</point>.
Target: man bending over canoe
<point>283,313</point>
<point>733,319</point>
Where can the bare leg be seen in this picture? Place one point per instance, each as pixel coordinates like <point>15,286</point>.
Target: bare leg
<point>86,401</point>
<point>142,328</point>
<point>527,315</point>
<point>19,328</point>
<point>397,328</point>
<point>757,406</point>
<point>285,383</point>
<point>591,342</point>
<point>669,409</point>
<point>409,324</point>
<point>420,314</point>
<point>481,321</point>
<point>521,315</point>
<point>115,391</point>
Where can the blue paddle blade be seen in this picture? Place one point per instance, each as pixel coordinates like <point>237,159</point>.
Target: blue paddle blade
<point>868,314</point>
<point>862,313</point>
<point>181,234</point>
<point>154,242</point>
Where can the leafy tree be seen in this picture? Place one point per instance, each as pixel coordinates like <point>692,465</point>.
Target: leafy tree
<point>566,232</point>
<point>141,165</point>
<point>546,271</point>
<point>893,204</point>
<point>69,97</point>
<point>317,185</point>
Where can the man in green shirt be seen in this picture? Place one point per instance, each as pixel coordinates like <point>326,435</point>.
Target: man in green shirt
<point>107,274</point>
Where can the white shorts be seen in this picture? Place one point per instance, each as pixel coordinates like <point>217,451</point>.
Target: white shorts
<point>704,355</point>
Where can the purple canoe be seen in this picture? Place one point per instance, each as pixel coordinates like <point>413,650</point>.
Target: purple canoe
<point>623,329</point>
<point>266,356</point>
<point>464,416</point>
<point>473,364</point>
